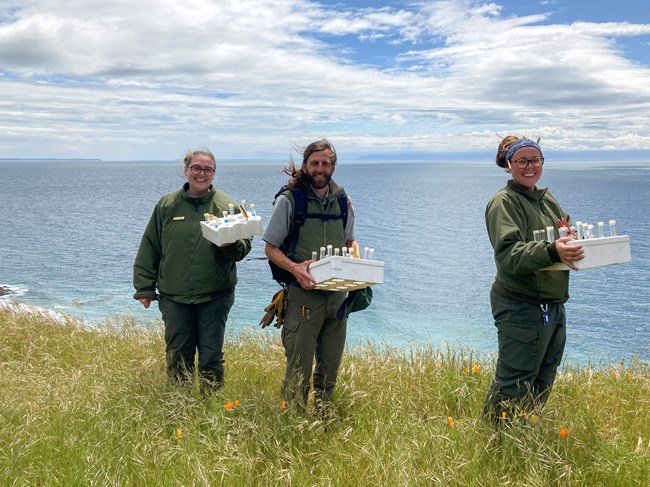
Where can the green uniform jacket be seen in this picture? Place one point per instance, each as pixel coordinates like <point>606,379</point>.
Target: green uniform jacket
<point>175,257</point>
<point>511,216</point>
<point>316,233</point>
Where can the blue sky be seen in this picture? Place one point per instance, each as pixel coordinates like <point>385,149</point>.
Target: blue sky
<point>251,78</point>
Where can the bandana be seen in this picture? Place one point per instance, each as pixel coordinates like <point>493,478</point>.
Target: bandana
<point>518,145</point>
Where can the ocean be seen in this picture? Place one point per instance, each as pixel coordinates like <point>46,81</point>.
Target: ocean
<point>71,229</point>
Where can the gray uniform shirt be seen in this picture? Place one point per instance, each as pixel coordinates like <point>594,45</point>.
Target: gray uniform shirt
<point>278,227</point>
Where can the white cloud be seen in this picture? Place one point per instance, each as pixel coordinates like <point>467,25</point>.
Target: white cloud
<point>102,79</point>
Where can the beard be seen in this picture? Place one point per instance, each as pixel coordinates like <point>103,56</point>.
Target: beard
<point>320,183</point>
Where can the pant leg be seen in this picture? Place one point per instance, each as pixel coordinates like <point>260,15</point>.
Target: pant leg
<point>525,345</point>
<point>299,337</point>
<point>329,349</point>
<point>211,322</point>
<point>180,337</point>
<point>554,351</point>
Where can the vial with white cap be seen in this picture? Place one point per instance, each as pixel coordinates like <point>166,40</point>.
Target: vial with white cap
<point>322,253</point>
<point>329,250</point>
<point>601,229</point>
<point>612,228</point>
<point>314,255</point>
<point>252,207</point>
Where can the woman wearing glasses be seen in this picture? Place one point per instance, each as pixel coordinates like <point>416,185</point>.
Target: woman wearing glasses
<point>527,303</point>
<point>194,278</point>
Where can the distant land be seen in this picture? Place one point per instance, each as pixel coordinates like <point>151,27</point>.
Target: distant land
<point>616,155</point>
<point>406,156</point>
<point>53,159</point>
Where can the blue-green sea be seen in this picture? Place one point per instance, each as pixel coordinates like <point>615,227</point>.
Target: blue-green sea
<point>70,231</point>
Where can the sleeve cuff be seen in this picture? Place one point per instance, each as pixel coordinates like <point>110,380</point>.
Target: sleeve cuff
<point>552,252</point>
<point>145,294</point>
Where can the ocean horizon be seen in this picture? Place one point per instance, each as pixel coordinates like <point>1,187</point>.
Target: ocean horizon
<point>72,229</point>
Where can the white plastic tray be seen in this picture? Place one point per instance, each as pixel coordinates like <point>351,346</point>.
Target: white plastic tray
<point>599,252</point>
<point>346,273</point>
<point>221,233</point>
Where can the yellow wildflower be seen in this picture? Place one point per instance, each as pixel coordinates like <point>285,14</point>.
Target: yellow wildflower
<point>179,434</point>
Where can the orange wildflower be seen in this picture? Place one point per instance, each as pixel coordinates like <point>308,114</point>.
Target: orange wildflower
<point>179,434</point>
<point>450,421</point>
<point>228,406</point>
<point>283,405</point>
<point>564,432</point>
<point>236,403</point>
<point>438,365</point>
<point>476,368</point>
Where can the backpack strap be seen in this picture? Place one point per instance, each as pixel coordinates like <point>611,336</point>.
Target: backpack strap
<point>300,213</point>
<point>299,216</point>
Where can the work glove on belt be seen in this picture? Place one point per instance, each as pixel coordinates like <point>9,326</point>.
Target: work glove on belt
<point>276,308</point>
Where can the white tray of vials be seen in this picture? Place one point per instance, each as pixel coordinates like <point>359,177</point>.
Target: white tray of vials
<point>232,227</point>
<point>337,273</point>
<point>599,252</point>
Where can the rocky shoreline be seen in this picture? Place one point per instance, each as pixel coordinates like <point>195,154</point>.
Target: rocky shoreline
<point>4,290</point>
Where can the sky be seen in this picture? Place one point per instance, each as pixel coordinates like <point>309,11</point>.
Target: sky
<point>250,79</point>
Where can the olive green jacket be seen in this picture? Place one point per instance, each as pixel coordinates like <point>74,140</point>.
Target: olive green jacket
<point>511,217</point>
<point>175,258</point>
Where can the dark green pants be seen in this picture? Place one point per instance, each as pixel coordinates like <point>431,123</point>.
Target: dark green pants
<point>530,352</point>
<point>192,327</point>
<point>311,330</point>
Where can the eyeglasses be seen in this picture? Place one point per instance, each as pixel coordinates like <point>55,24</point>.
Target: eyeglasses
<point>208,171</point>
<point>522,162</point>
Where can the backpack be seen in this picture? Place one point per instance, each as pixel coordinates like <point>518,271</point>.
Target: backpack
<point>300,214</point>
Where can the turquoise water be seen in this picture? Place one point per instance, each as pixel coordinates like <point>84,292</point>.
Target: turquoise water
<point>71,230</point>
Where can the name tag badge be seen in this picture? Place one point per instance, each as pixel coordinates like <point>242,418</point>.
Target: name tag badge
<point>179,218</point>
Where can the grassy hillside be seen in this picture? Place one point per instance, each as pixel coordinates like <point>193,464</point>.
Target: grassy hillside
<point>92,407</point>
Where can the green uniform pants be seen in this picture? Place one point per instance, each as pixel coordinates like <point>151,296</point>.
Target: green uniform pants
<point>310,330</point>
<point>192,327</point>
<point>530,352</point>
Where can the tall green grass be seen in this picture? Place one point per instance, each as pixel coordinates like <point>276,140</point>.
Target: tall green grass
<point>92,407</point>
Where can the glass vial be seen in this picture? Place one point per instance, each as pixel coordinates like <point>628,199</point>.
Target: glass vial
<point>612,228</point>
<point>550,234</point>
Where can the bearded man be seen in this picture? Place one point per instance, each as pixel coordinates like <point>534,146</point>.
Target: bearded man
<point>313,327</point>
